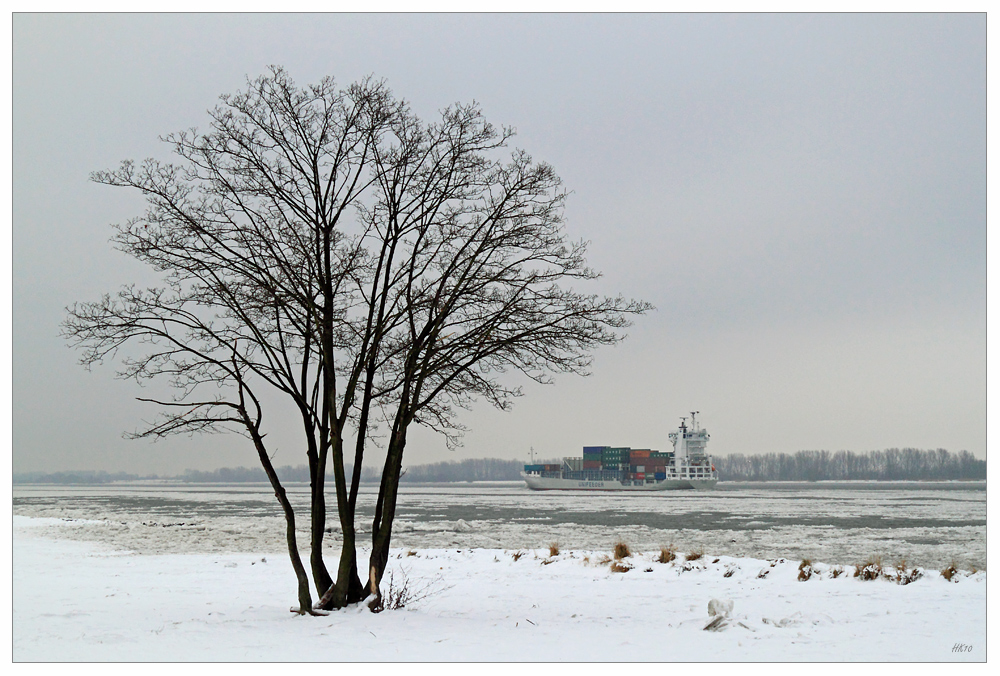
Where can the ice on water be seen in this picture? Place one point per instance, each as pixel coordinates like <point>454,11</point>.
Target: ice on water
<point>927,526</point>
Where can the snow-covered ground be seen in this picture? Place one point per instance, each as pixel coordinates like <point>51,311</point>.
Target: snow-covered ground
<point>86,601</point>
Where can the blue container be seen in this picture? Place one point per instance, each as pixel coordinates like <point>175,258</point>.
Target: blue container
<point>660,475</point>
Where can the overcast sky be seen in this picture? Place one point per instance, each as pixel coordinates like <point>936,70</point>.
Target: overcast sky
<point>802,197</point>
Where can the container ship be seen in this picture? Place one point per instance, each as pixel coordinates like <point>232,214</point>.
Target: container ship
<point>607,468</point>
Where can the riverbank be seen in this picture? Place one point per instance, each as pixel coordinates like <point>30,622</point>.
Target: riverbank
<point>85,601</point>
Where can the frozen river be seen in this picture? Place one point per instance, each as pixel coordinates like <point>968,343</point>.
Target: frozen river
<point>927,524</point>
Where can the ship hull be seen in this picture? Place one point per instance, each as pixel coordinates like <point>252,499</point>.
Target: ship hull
<point>540,483</point>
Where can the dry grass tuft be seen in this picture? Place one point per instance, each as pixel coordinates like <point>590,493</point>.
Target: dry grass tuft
<point>904,576</point>
<point>399,593</point>
<point>950,571</point>
<point>518,554</point>
<point>622,551</point>
<point>620,567</point>
<point>554,549</point>
<point>871,569</point>
<point>411,553</point>
<point>836,571</point>
<point>604,560</point>
<point>695,555</point>
<point>805,570</point>
<point>667,554</point>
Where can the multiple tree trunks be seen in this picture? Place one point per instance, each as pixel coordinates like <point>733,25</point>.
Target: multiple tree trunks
<point>327,245</point>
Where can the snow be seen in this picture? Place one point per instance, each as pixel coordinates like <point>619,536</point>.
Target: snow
<point>79,600</point>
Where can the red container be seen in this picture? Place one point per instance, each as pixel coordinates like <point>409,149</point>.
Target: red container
<point>639,454</point>
<point>640,475</point>
<point>592,464</point>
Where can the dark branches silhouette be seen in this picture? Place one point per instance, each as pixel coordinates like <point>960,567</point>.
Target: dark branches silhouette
<point>328,245</point>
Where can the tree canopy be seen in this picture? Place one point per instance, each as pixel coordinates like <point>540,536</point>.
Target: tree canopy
<point>375,269</point>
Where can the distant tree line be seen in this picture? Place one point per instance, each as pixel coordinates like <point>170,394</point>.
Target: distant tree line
<point>75,477</point>
<point>892,464</point>
<point>475,469</point>
<point>472,469</point>
<point>245,474</point>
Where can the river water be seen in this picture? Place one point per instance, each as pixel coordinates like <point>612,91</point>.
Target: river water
<point>926,524</point>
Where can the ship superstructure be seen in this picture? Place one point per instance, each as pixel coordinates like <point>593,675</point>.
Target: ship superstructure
<point>613,468</point>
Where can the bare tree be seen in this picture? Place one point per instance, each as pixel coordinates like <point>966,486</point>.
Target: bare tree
<point>329,245</point>
<point>247,235</point>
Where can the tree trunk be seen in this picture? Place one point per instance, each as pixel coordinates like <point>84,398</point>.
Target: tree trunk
<point>305,599</point>
<point>385,510</point>
<point>317,513</point>
<point>321,576</point>
<point>348,583</point>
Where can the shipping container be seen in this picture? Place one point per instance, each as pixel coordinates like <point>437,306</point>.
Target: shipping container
<point>534,468</point>
<point>640,476</point>
<point>660,475</point>
<point>592,464</point>
<point>639,454</point>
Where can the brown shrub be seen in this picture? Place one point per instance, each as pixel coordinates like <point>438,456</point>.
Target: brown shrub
<point>518,554</point>
<point>871,569</point>
<point>667,554</point>
<point>805,570</point>
<point>622,551</point>
<point>554,549</point>
<point>836,571</point>
<point>620,567</point>
<point>695,555</point>
<point>904,576</point>
<point>411,553</point>
<point>950,572</point>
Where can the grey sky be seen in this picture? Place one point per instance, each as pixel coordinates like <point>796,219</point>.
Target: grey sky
<point>802,197</point>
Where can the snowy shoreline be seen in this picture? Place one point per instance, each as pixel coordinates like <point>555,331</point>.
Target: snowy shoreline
<point>482,605</point>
